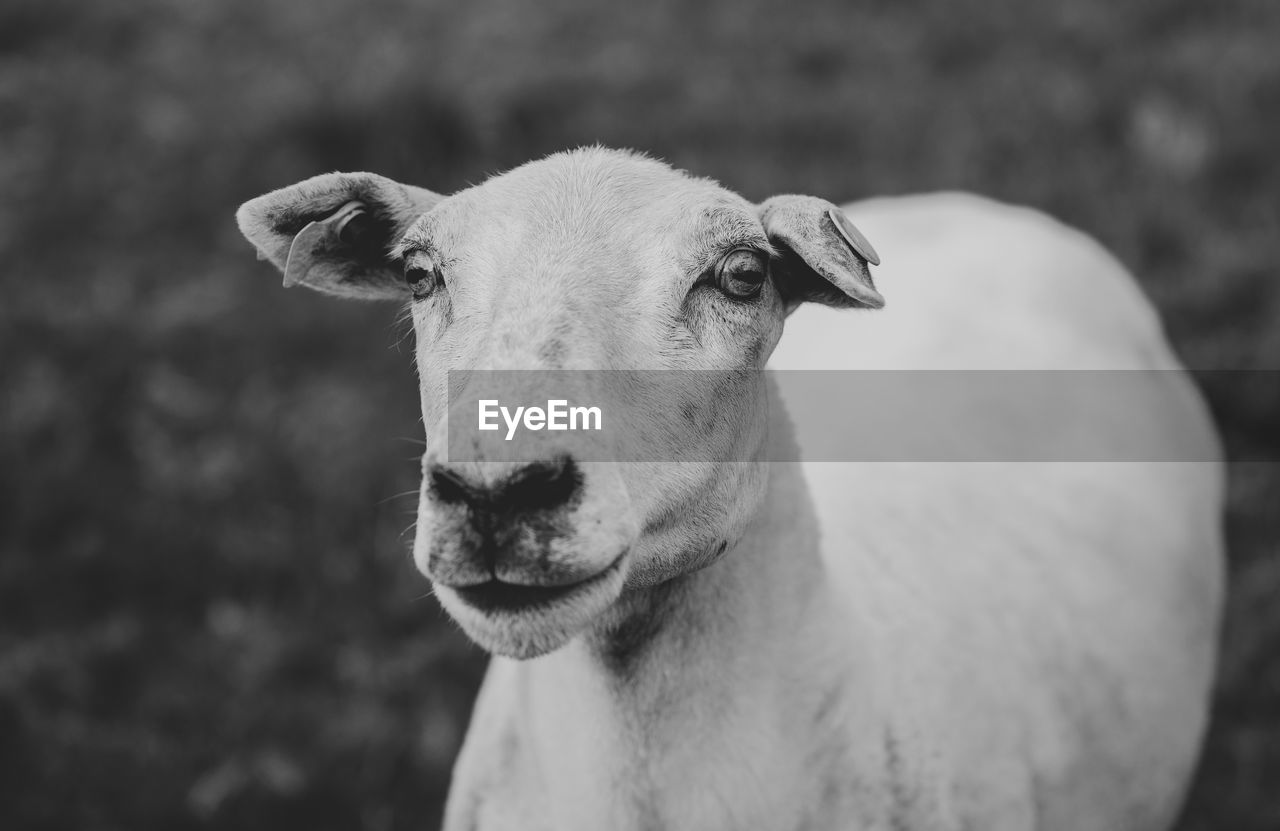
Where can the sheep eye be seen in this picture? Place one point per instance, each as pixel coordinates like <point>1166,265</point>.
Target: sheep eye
<point>421,274</point>
<point>741,273</point>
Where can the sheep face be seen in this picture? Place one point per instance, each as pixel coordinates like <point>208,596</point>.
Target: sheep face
<point>581,262</point>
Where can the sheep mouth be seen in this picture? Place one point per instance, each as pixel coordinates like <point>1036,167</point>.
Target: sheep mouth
<point>499,598</point>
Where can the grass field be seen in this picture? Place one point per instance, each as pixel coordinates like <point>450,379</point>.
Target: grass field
<point>208,616</point>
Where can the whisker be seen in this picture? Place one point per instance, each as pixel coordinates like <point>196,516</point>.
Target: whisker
<point>395,496</point>
<point>402,328</point>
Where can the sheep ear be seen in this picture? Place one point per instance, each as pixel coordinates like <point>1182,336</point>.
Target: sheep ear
<point>333,233</point>
<point>825,259</point>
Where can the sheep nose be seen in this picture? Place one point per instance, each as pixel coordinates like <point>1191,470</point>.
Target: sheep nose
<point>534,487</point>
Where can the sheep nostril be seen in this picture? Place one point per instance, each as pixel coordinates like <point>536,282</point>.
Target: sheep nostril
<point>541,486</point>
<point>449,487</point>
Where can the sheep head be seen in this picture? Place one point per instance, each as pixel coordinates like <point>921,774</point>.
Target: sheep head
<point>624,284</point>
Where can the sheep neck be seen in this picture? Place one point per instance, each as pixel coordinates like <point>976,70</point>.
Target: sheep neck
<point>724,663</point>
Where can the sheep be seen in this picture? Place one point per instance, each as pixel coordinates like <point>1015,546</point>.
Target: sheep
<point>715,643</point>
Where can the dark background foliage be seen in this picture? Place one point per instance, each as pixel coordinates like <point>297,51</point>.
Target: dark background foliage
<point>209,616</point>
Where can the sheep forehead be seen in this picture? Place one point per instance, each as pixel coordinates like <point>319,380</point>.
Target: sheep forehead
<point>589,201</point>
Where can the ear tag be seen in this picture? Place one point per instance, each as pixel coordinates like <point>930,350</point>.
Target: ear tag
<point>321,235</point>
<point>853,236</point>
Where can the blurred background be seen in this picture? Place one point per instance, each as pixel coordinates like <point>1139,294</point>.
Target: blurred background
<point>208,614</point>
